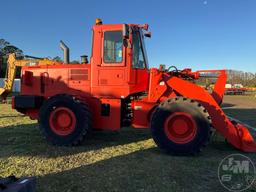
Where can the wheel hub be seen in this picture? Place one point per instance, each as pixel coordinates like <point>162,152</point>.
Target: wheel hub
<point>62,121</point>
<point>180,127</point>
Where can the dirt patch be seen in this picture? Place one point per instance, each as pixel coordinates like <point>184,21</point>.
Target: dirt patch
<point>239,101</point>
<point>242,108</point>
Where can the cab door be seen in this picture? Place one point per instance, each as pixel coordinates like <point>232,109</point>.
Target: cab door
<point>139,62</point>
<point>112,69</point>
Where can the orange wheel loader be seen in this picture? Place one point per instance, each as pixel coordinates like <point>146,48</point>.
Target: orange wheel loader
<point>117,88</point>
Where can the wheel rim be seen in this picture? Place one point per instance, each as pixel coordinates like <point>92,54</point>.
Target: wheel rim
<point>180,127</point>
<point>62,121</point>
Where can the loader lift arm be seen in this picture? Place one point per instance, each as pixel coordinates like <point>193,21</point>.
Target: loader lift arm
<point>12,64</point>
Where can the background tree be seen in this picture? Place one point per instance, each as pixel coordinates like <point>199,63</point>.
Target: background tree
<point>247,79</point>
<point>75,62</point>
<point>5,49</point>
<point>58,59</point>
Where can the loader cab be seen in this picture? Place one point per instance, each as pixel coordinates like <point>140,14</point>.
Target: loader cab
<point>119,65</point>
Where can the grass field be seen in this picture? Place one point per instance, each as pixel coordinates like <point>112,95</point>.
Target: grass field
<point>111,161</point>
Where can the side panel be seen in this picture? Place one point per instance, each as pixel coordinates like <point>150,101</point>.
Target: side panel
<point>141,80</point>
<point>31,80</point>
<point>142,113</point>
<point>52,80</point>
<point>111,77</point>
<point>106,113</point>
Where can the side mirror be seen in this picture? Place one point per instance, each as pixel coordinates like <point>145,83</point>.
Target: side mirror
<point>125,31</point>
<point>147,34</point>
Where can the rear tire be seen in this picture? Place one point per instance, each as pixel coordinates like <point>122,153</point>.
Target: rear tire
<point>64,120</point>
<point>181,126</point>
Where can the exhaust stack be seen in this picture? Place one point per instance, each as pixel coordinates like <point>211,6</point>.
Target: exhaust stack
<point>65,49</point>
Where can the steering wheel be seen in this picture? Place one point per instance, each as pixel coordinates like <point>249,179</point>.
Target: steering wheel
<point>175,69</point>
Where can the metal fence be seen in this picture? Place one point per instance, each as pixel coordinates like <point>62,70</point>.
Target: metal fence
<point>16,85</point>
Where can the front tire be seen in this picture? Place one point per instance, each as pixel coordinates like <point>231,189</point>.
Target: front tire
<point>181,126</point>
<point>64,120</point>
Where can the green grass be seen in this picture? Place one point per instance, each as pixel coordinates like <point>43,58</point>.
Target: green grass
<point>107,161</point>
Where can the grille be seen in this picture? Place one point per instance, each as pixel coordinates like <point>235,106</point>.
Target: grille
<point>79,74</point>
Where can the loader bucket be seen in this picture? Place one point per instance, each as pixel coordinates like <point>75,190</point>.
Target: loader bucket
<point>235,133</point>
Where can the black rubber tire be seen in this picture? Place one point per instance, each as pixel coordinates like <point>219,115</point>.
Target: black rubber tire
<point>82,114</point>
<point>199,114</point>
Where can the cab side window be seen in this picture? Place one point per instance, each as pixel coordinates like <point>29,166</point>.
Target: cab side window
<point>113,47</point>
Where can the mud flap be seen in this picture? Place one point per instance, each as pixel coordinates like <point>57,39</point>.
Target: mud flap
<point>237,135</point>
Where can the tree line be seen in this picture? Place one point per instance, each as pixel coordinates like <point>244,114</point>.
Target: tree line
<point>247,79</point>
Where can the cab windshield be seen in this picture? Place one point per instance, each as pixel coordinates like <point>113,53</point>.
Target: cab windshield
<point>139,58</point>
